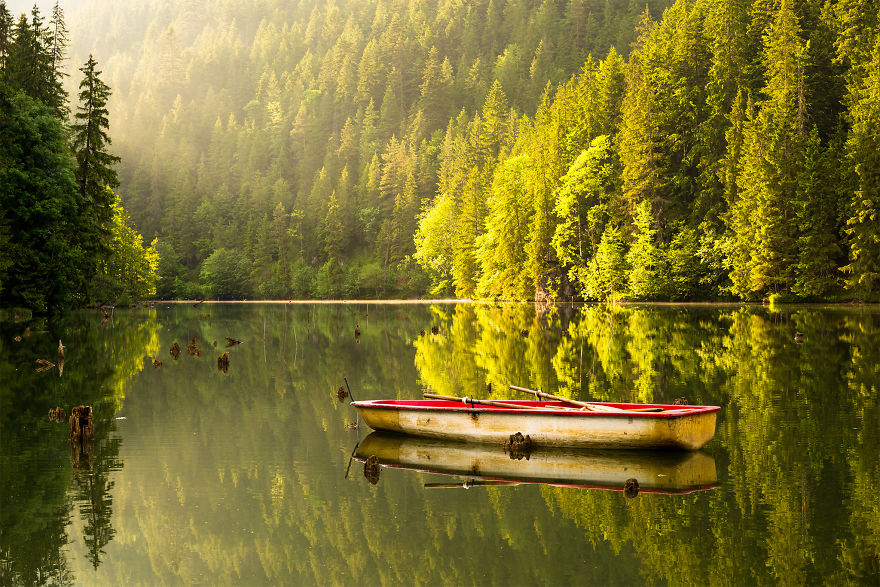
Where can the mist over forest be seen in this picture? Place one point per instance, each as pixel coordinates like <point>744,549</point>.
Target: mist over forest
<point>571,149</point>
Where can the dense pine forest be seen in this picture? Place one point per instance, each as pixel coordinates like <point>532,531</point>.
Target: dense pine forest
<point>571,149</point>
<point>65,239</point>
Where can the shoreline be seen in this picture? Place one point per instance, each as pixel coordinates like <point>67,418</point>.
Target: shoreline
<point>454,301</point>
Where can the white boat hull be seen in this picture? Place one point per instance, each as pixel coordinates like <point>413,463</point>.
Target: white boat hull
<point>685,428</point>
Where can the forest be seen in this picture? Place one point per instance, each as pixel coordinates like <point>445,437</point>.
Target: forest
<point>65,238</point>
<point>522,150</point>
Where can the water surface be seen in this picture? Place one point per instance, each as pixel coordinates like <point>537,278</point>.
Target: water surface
<point>245,477</point>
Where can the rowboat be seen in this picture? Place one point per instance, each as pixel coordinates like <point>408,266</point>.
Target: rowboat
<point>547,423</point>
<point>666,472</point>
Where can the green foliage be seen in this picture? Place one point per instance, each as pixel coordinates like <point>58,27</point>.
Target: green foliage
<point>683,274</point>
<point>95,175</point>
<point>32,55</point>
<point>329,281</point>
<point>581,207</point>
<point>225,275</point>
<point>863,214</point>
<point>131,266</point>
<point>507,222</point>
<point>43,256</point>
<point>169,272</point>
<point>324,142</point>
<point>643,257</point>
<point>296,103</point>
<point>606,274</point>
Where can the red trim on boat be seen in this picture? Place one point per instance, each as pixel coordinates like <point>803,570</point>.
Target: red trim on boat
<point>670,411</point>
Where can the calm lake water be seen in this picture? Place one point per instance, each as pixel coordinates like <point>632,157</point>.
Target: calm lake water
<point>246,477</point>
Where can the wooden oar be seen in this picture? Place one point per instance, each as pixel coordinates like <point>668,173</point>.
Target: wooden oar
<point>469,484</point>
<point>584,405</point>
<point>566,400</point>
<point>486,402</point>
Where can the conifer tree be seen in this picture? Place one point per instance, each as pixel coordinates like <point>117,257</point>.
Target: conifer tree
<point>435,89</point>
<point>606,276</point>
<point>56,37</point>
<point>6,28</point>
<point>638,139</point>
<point>501,251</point>
<point>773,156</point>
<point>818,253</point>
<point>580,204</point>
<point>26,58</point>
<point>544,143</point>
<point>95,174</point>
<point>611,87</point>
<point>38,198</point>
<point>726,28</point>
<point>863,213</point>
<point>643,256</point>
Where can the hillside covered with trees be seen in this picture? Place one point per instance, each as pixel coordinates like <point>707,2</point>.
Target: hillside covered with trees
<point>289,149</point>
<point>571,149</point>
<point>65,238</point>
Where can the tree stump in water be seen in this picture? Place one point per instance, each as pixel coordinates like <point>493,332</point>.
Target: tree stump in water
<point>631,487</point>
<point>82,427</point>
<point>192,349</point>
<point>223,363</point>
<point>371,469</point>
<point>518,446</point>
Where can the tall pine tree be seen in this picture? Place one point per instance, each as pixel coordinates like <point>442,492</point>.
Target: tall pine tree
<point>95,174</point>
<point>6,24</point>
<point>772,163</point>
<point>863,214</point>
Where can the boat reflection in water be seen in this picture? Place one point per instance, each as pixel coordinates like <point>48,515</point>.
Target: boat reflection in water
<point>668,472</point>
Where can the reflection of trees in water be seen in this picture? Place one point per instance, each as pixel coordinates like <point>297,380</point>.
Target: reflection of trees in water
<point>797,500</point>
<point>798,427</point>
<point>45,478</point>
<point>91,492</point>
<point>796,441</point>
